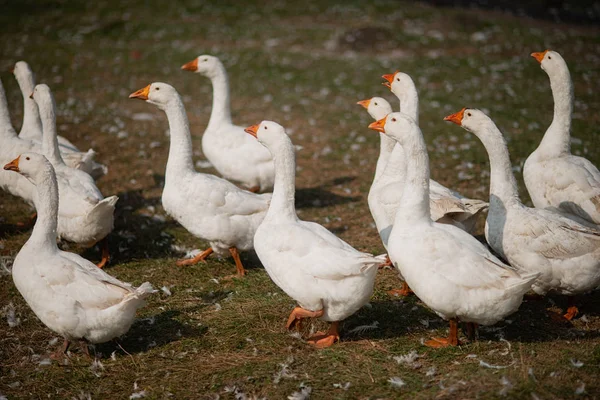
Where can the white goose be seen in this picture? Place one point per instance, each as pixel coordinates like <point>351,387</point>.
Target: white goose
<point>448,269</point>
<point>32,127</point>
<point>447,206</point>
<point>85,216</point>
<point>553,176</point>
<point>325,275</point>
<point>235,155</point>
<point>564,252</point>
<point>67,293</point>
<point>210,207</point>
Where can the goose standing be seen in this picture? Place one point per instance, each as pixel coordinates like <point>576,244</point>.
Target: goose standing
<point>564,252</point>
<point>553,176</point>
<point>326,276</point>
<point>235,155</point>
<point>447,206</point>
<point>85,216</point>
<point>210,207</point>
<point>65,291</point>
<point>448,269</point>
<point>32,127</point>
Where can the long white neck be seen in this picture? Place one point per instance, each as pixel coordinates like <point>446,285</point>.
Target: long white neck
<point>46,206</point>
<point>6,129</point>
<point>32,126</point>
<point>50,148</point>
<point>284,190</point>
<point>409,101</point>
<point>180,150</point>
<point>386,146</point>
<point>221,112</point>
<point>414,205</point>
<point>503,185</point>
<point>557,139</point>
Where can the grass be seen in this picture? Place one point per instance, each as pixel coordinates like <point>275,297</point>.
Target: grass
<point>222,338</point>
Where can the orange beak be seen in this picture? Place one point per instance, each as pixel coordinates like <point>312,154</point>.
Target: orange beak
<point>252,130</point>
<point>141,94</point>
<point>379,125</point>
<point>191,66</point>
<point>13,165</point>
<point>389,78</point>
<point>539,56</point>
<point>456,117</point>
<point>364,103</point>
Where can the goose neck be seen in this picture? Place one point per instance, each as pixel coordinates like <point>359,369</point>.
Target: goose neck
<point>558,138</point>
<point>409,102</point>
<point>49,136</point>
<point>284,190</point>
<point>32,125</point>
<point>46,205</point>
<point>6,129</point>
<point>386,146</point>
<point>221,112</point>
<point>180,149</point>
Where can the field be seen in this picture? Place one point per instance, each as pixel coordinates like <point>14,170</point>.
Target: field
<point>305,65</point>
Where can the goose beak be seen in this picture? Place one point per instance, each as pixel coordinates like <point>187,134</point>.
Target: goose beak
<point>379,125</point>
<point>31,95</point>
<point>13,165</point>
<point>141,94</point>
<point>191,66</point>
<point>252,130</point>
<point>539,56</point>
<point>456,117</point>
<point>389,78</point>
<point>364,103</point>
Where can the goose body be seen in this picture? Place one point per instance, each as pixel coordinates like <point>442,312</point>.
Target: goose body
<point>325,275</point>
<point>69,294</point>
<point>448,269</point>
<point>565,253</point>
<point>210,207</point>
<point>234,154</point>
<point>553,176</point>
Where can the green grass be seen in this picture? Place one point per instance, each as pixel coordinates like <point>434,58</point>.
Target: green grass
<point>213,337</point>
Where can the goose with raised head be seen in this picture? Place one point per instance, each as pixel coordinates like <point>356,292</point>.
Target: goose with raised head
<point>565,253</point>
<point>447,206</point>
<point>210,207</point>
<point>65,291</point>
<point>553,176</point>
<point>326,276</point>
<point>32,127</point>
<point>85,216</point>
<point>235,155</point>
<point>448,269</point>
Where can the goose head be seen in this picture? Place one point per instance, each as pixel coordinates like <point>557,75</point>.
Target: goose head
<point>23,73</point>
<point>42,95</point>
<point>550,61</point>
<point>205,64</point>
<point>33,166</point>
<point>396,125</point>
<point>472,120</point>
<point>158,93</point>
<point>398,82</point>
<point>377,107</point>
<point>268,133</point>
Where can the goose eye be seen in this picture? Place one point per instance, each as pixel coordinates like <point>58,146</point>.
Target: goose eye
<point>469,114</point>
<point>156,88</point>
<point>549,57</point>
<point>265,127</point>
<point>27,158</point>
<point>393,119</point>
<point>375,103</point>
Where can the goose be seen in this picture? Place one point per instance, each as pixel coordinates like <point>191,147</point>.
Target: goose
<point>326,276</point>
<point>565,253</point>
<point>210,207</point>
<point>65,291</point>
<point>32,127</point>
<point>448,269</point>
<point>553,176</point>
<point>235,155</point>
<point>447,206</point>
<point>85,216</point>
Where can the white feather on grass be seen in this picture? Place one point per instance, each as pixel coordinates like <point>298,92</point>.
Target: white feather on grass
<point>396,382</point>
<point>284,372</point>
<point>11,317</point>
<point>580,389</point>
<point>409,359</point>
<point>302,394</point>
<point>359,330</point>
<point>506,386</point>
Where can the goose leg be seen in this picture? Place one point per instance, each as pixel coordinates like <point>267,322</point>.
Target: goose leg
<point>60,353</point>
<point>238,263</point>
<point>83,345</point>
<point>472,328</point>
<point>404,291</point>
<point>298,313</point>
<point>254,189</point>
<point>195,260</point>
<point>387,263</point>
<point>572,309</point>
<point>105,253</point>
<point>451,340</point>
<point>321,340</point>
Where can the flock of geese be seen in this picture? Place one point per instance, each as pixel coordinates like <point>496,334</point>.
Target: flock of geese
<point>425,227</point>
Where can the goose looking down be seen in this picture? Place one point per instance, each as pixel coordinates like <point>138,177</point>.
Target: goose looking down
<point>564,252</point>
<point>326,276</point>
<point>235,155</point>
<point>448,269</point>
<point>32,127</point>
<point>553,176</point>
<point>85,216</point>
<point>447,206</point>
<point>210,207</point>
<point>65,291</point>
